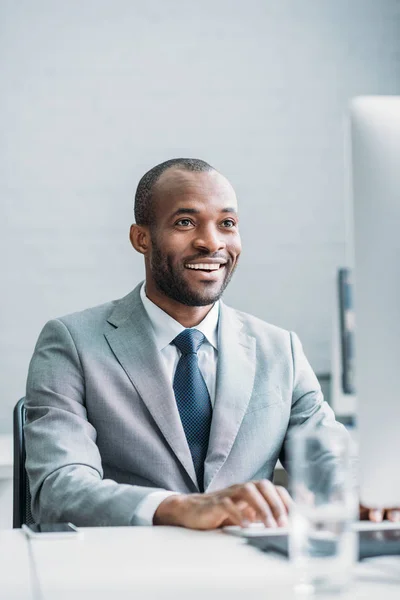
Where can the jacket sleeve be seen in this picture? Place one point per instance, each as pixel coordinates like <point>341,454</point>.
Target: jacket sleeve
<point>308,408</point>
<point>62,459</point>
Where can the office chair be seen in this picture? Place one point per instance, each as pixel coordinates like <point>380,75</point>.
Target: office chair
<point>22,496</point>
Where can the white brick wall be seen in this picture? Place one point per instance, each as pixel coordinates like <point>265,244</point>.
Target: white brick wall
<point>95,93</point>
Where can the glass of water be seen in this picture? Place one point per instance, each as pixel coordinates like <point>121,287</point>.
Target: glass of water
<point>322,542</point>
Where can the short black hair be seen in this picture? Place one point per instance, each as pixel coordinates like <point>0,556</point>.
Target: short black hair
<point>144,210</point>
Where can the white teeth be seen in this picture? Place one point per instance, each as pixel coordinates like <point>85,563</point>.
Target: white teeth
<point>204,267</point>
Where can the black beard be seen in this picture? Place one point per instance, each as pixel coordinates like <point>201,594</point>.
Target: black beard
<point>172,284</point>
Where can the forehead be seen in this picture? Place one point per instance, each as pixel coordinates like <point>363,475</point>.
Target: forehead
<point>207,190</point>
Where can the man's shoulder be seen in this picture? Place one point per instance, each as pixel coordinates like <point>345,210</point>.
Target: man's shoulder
<point>258,327</point>
<point>100,312</point>
<point>113,312</point>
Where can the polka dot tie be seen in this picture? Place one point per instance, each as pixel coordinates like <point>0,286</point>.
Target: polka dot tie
<point>193,399</point>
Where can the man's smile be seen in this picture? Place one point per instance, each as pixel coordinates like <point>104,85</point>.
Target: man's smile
<point>205,266</point>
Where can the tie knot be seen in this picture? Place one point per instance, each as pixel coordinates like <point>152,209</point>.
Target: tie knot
<point>189,341</point>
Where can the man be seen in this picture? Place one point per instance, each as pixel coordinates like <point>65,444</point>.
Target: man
<point>167,406</point>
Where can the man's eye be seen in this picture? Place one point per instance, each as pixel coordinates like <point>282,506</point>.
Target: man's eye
<point>228,223</point>
<point>184,222</point>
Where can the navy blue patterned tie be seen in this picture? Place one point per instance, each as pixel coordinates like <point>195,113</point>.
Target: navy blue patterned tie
<point>192,399</point>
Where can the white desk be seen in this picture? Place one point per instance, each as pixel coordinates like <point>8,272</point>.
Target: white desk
<point>15,567</point>
<point>165,563</point>
<point>6,456</point>
<point>6,480</point>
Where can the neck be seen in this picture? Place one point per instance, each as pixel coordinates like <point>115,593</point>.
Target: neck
<point>188,316</point>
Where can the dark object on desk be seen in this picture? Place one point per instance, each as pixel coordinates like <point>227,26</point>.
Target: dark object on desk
<point>50,530</point>
<point>384,542</point>
<point>22,496</point>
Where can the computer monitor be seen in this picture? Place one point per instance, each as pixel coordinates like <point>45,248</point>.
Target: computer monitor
<point>375,156</point>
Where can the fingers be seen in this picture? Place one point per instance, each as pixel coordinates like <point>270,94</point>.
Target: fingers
<point>375,515</point>
<point>269,503</point>
<point>253,497</point>
<point>393,515</point>
<point>232,512</point>
<point>274,498</point>
<point>237,505</point>
<point>285,496</point>
<point>248,513</point>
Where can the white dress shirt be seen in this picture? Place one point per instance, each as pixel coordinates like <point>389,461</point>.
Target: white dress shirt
<point>165,331</point>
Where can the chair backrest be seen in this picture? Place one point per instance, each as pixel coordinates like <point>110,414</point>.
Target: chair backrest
<point>22,496</point>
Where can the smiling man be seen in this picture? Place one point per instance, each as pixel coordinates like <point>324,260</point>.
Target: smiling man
<point>167,406</point>
<point>187,229</point>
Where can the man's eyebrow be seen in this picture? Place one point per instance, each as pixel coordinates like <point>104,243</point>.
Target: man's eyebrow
<point>185,211</point>
<point>195,211</point>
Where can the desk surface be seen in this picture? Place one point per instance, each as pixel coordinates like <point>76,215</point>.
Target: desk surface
<point>161,562</point>
<point>6,456</point>
<point>15,566</point>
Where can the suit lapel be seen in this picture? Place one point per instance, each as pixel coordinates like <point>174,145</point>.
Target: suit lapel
<point>133,344</point>
<point>235,378</point>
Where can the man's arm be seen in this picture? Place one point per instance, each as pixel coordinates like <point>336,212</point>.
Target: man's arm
<point>63,460</point>
<point>308,405</point>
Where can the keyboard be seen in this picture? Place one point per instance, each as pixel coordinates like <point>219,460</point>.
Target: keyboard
<point>375,539</point>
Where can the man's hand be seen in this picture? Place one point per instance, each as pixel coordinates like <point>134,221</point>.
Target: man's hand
<point>378,514</point>
<point>235,505</point>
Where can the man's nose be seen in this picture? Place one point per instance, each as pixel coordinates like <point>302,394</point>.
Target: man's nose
<point>209,239</point>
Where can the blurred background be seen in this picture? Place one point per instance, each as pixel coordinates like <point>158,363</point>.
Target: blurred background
<point>94,93</point>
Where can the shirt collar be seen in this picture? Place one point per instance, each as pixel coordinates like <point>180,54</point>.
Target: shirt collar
<point>166,328</point>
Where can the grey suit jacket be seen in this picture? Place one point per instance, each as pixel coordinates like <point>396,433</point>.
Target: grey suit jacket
<point>103,429</point>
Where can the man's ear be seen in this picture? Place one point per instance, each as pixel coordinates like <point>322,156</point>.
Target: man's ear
<point>140,238</point>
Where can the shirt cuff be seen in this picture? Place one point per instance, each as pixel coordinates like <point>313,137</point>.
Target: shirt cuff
<point>145,510</point>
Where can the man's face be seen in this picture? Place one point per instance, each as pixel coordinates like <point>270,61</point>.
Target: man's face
<point>195,241</point>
